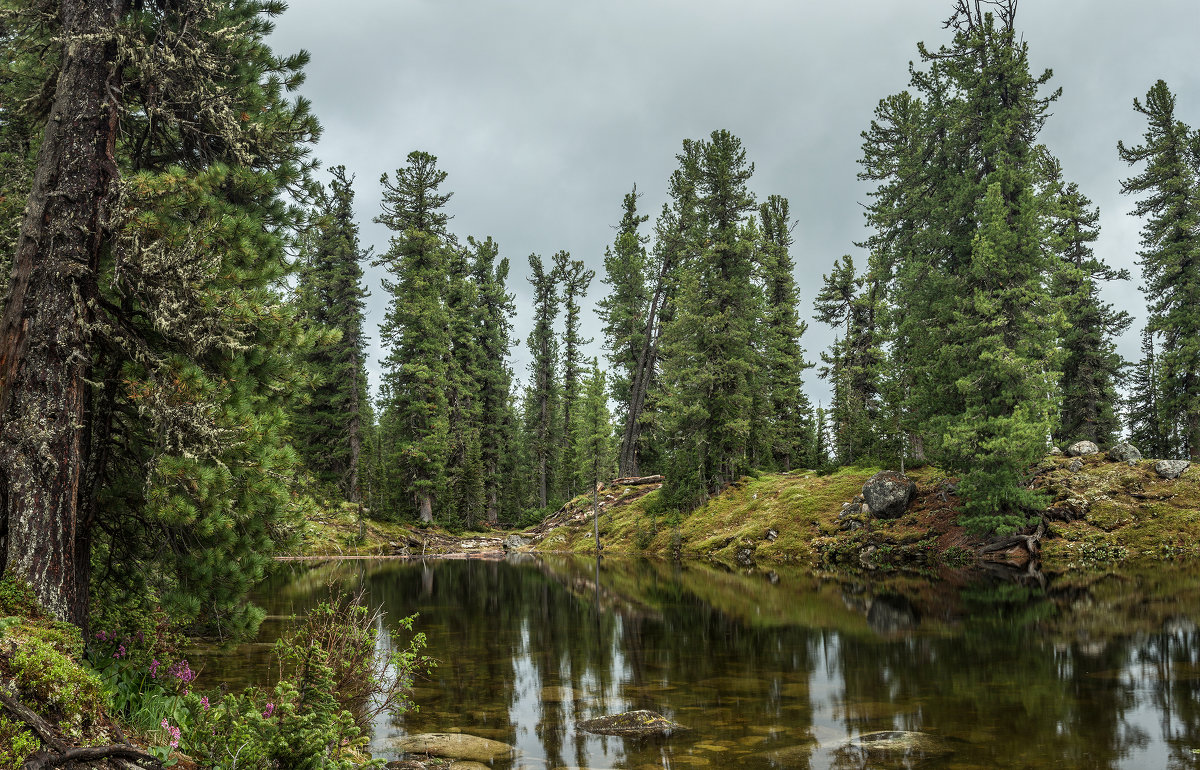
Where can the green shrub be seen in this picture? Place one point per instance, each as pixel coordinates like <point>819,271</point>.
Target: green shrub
<point>16,744</point>
<point>42,661</point>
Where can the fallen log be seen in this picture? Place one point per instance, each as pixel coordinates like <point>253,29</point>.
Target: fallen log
<point>636,481</point>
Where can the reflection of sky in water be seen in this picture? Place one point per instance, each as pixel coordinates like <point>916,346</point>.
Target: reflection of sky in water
<point>528,650</point>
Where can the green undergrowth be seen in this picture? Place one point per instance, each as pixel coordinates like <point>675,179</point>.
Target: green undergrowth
<point>41,664</point>
<point>127,679</point>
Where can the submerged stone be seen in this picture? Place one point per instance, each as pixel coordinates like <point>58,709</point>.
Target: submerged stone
<point>455,746</point>
<point>631,724</point>
<point>895,746</point>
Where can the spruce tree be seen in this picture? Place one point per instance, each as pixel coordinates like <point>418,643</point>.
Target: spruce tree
<point>1170,255</point>
<point>541,401</point>
<point>1091,366</point>
<point>493,327</point>
<point>790,413</point>
<point>1148,429</point>
<point>624,309</point>
<point>328,431</point>
<point>710,361</point>
<point>415,331</point>
<point>574,278</point>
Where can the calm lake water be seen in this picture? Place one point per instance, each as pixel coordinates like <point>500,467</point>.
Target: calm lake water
<point>775,669</point>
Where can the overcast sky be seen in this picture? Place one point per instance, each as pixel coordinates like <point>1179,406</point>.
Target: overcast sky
<point>545,113</point>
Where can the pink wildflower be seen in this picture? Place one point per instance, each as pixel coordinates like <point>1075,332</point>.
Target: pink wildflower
<point>154,664</point>
<point>174,732</point>
<point>268,711</point>
<point>204,702</point>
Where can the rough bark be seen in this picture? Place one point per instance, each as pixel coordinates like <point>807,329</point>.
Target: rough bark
<point>44,333</point>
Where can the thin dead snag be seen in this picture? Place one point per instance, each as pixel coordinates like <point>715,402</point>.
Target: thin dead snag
<point>44,331</point>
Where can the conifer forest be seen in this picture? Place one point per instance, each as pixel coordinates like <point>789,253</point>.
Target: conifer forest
<point>188,370</point>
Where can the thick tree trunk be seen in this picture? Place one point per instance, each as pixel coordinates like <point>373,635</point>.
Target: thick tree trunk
<point>44,346</point>
<point>425,503</point>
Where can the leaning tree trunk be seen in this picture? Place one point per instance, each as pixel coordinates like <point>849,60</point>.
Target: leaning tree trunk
<point>627,458</point>
<point>44,351</point>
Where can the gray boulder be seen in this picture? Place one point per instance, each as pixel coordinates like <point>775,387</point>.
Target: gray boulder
<point>1171,469</point>
<point>455,746</point>
<point>631,724</point>
<point>1055,450</point>
<point>1082,449</point>
<point>888,494</point>
<point>1124,452</point>
<point>515,542</point>
<point>1075,466</point>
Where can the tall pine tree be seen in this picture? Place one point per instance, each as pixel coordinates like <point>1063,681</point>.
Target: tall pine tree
<point>624,309</point>
<point>416,334</point>
<point>329,430</point>
<point>710,361</point>
<point>1091,366</point>
<point>790,414</point>
<point>493,327</point>
<point>575,278</point>
<point>1170,255</point>
<point>541,401</point>
<point>168,370</point>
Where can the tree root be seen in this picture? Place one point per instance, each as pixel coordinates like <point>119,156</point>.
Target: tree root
<point>1032,543</point>
<point>60,753</point>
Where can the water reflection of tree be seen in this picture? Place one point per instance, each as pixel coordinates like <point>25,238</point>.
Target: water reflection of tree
<point>1001,684</point>
<point>1171,661</point>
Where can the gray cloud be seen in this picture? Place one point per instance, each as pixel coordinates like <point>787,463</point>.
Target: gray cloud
<point>544,113</point>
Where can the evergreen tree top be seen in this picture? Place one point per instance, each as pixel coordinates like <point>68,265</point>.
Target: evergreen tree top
<point>412,202</point>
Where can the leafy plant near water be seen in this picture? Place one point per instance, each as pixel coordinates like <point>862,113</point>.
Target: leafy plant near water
<point>345,630</point>
<point>332,683</point>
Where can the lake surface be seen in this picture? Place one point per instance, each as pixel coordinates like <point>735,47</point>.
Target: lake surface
<point>776,669</point>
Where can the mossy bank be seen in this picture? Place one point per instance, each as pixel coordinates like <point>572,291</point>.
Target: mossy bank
<point>1098,512</point>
